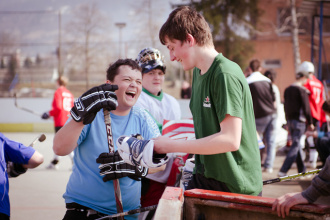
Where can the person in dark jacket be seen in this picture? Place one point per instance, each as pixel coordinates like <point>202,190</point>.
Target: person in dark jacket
<point>263,98</point>
<point>298,115</point>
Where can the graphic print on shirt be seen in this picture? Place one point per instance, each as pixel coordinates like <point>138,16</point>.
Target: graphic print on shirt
<point>67,100</point>
<point>207,102</point>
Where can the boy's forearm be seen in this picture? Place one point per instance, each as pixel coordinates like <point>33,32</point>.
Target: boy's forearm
<point>66,138</point>
<point>213,144</point>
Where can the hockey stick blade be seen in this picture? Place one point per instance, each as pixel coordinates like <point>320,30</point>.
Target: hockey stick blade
<point>41,138</point>
<point>131,212</point>
<point>25,109</point>
<point>290,177</point>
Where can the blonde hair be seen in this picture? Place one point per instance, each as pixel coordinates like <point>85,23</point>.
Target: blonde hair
<point>62,80</point>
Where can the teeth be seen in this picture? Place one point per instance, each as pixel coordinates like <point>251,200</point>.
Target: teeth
<point>131,92</point>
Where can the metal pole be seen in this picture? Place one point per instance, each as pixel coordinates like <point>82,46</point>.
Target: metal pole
<point>320,41</point>
<point>312,39</point>
<point>59,45</point>
<point>120,26</point>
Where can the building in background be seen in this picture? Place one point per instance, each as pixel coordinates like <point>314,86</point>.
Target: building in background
<point>273,41</point>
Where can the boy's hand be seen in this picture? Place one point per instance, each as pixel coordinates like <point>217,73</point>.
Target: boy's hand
<point>112,166</point>
<point>283,204</point>
<point>15,169</point>
<point>92,101</point>
<point>140,152</point>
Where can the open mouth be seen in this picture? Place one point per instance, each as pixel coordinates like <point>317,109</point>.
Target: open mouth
<point>131,94</point>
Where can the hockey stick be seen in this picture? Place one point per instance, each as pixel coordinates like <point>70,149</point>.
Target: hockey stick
<point>25,109</point>
<point>41,138</point>
<point>130,212</point>
<point>107,121</point>
<point>11,171</point>
<point>290,177</point>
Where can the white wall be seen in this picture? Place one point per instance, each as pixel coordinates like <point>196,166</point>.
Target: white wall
<point>9,113</point>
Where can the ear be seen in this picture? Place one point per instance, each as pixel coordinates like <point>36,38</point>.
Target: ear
<point>191,40</point>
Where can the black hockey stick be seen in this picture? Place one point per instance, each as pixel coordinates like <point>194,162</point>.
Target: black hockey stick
<point>25,109</point>
<point>130,212</point>
<point>290,177</point>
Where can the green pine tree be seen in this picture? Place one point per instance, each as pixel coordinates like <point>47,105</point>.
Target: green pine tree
<point>231,22</point>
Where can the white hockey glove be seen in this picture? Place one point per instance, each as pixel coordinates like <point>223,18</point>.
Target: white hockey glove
<point>140,152</point>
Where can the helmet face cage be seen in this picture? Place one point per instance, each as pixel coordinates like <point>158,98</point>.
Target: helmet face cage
<point>150,58</point>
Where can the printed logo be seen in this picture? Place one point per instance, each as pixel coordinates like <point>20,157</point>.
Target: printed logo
<point>207,102</point>
<point>79,105</point>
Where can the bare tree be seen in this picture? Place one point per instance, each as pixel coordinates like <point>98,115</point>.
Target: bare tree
<point>7,49</point>
<point>7,43</point>
<point>294,34</point>
<point>87,30</point>
<point>148,15</point>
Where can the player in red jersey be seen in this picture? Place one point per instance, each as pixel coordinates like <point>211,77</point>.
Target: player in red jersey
<point>315,87</point>
<point>61,106</point>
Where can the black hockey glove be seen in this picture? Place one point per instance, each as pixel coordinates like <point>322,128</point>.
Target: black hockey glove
<point>15,169</point>
<point>45,115</point>
<point>92,101</point>
<point>113,167</point>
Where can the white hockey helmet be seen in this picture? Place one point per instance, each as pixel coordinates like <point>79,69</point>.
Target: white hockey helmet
<point>150,58</point>
<point>305,68</point>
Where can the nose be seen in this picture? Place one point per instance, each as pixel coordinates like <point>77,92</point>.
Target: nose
<point>172,56</point>
<point>157,76</point>
<point>134,84</point>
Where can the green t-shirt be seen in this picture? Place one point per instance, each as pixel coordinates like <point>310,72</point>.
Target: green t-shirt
<point>223,90</point>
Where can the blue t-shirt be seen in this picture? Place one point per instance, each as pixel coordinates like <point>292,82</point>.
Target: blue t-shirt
<point>17,153</point>
<point>85,185</point>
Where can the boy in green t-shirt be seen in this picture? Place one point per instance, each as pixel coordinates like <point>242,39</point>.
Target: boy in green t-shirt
<point>226,147</point>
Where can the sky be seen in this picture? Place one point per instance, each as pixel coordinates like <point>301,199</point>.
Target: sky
<point>35,23</point>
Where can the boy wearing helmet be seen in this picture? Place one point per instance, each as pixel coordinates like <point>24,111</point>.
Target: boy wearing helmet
<point>161,106</point>
<point>316,100</point>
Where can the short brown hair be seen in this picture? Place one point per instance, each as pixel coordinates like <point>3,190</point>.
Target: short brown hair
<point>255,65</point>
<point>326,106</point>
<point>62,80</point>
<point>271,74</point>
<point>185,20</point>
<point>112,71</point>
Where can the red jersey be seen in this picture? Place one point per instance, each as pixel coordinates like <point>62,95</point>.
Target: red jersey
<point>316,100</point>
<point>61,106</point>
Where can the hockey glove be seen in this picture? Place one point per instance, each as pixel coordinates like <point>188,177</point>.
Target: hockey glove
<point>45,115</point>
<point>137,136</point>
<point>140,152</point>
<point>15,169</point>
<point>114,167</point>
<point>92,101</point>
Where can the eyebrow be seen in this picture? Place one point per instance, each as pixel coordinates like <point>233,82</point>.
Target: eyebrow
<point>126,76</point>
